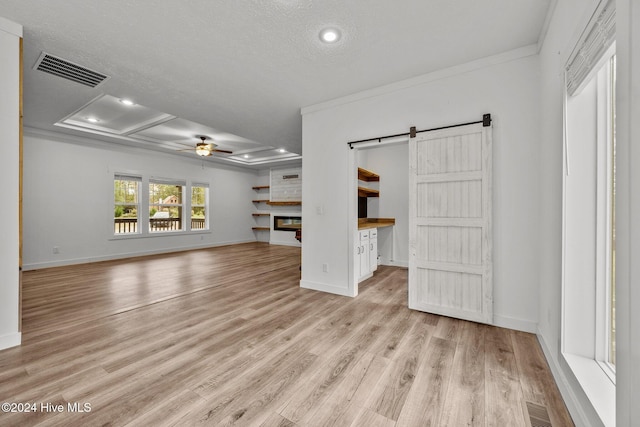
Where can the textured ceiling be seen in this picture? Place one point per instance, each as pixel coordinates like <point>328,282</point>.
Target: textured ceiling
<point>246,67</point>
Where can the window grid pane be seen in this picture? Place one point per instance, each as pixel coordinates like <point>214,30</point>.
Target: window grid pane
<point>165,207</point>
<point>126,193</point>
<point>199,207</point>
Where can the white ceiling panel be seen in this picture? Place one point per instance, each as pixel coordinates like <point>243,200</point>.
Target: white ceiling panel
<point>246,68</point>
<point>108,114</point>
<point>185,132</point>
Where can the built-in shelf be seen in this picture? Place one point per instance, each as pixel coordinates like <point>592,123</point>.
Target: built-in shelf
<point>367,175</point>
<point>365,223</point>
<point>368,192</point>
<point>260,227</point>
<point>292,203</point>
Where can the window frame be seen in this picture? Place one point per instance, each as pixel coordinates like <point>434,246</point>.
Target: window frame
<point>205,206</point>
<point>605,105</point>
<point>144,205</point>
<point>180,205</point>
<point>131,178</point>
<point>586,237</point>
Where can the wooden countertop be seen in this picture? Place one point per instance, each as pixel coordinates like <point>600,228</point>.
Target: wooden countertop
<point>365,223</point>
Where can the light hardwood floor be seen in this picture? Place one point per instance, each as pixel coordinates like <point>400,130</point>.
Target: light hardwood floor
<point>225,336</point>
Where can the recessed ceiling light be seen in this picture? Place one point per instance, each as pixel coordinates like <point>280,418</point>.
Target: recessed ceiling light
<point>330,35</point>
<point>282,150</point>
<point>126,101</point>
<point>246,156</point>
<point>92,120</point>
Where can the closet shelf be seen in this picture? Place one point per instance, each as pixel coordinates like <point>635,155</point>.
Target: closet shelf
<point>368,192</point>
<point>260,187</point>
<point>367,175</point>
<point>292,203</point>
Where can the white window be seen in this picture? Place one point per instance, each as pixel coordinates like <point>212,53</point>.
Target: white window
<point>166,211</point>
<point>588,285</point>
<point>171,206</point>
<point>199,203</point>
<point>126,194</point>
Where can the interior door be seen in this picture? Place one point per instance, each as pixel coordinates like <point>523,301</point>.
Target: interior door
<point>450,262</point>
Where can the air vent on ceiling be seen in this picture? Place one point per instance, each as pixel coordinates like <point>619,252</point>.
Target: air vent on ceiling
<point>68,70</point>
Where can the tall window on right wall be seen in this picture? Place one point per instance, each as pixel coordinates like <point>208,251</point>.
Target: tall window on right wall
<point>588,327</point>
<point>589,291</point>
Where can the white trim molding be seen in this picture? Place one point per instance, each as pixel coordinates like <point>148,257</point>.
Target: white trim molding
<point>323,287</point>
<point>10,27</point>
<point>10,340</point>
<point>456,70</point>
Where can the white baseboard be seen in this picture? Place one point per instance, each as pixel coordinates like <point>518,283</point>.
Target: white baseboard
<point>513,323</point>
<point>285,243</point>
<point>323,287</point>
<point>10,340</point>
<point>395,263</point>
<point>74,261</point>
<point>568,395</point>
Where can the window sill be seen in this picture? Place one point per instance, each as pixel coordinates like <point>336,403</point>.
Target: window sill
<point>596,384</point>
<point>158,234</point>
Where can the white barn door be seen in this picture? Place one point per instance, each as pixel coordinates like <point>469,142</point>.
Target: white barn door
<point>450,262</point>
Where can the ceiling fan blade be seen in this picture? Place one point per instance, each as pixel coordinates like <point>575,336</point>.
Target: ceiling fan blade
<point>222,151</point>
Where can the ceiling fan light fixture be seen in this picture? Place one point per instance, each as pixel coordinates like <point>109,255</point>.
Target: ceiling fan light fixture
<point>203,149</point>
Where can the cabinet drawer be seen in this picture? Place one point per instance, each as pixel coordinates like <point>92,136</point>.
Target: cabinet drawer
<point>373,233</point>
<point>364,235</point>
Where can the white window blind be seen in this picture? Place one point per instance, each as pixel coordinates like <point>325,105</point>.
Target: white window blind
<point>596,39</point>
<point>122,177</point>
<point>168,181</point>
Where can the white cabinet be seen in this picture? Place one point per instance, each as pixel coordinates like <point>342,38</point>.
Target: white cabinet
<point>366,253</point>
<point>373,250</point>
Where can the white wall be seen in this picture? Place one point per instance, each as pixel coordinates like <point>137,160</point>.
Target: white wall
<point>10,34</point>
<point>391,162</point>
<point>68,200</point>
<point>507,86</point>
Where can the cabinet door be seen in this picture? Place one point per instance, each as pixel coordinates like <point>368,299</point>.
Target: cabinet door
<point>361,255</point>
<point>373,250</point>
<point>364,257</point>
<point>357,259</point>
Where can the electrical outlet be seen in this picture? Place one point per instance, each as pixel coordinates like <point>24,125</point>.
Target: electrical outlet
<point>56,249</point>
<point>325,268</point>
